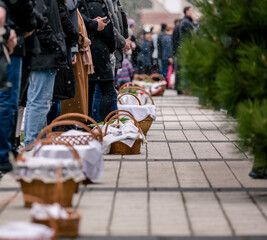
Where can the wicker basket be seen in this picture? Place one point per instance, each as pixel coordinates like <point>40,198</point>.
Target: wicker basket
<point>128,84</point>
<point>49,193</point>
<point>63,227</point>
<point>73,140</point>
<point>146,123</point>
<point>119,148</point>
<point>158,77</point>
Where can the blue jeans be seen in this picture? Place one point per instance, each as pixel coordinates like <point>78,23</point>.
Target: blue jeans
<point>39,97</point>
<point>164,68</point>
<point>96,103</point>
<point>8,106</point>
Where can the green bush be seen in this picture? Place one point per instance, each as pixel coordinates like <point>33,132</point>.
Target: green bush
<point>225,64</point>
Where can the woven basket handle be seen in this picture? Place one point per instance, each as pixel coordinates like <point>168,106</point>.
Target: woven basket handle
<point>47,142</point>
<point>73,115</point>
<point>117,111</point>
<point>128,84</point>
<point>143,90</point>
<point>64,123</point>
<point>158,76</point>
<point>117,117</point>
<point>139,102</point>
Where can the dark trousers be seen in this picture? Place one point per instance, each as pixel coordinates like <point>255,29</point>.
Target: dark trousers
<point>108,92</point>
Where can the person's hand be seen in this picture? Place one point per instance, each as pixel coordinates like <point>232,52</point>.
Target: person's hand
<point>133,46</point>
<point>86,42</point>
<point>74,60</point>
<point>27,34</point>
<point>2,17</point>
<point>127,46</point>
<point>12,41</point>
<point>101,23</point>
<point>170,60</point>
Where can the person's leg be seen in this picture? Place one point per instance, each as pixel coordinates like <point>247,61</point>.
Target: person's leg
<point>108,92</point>
<point>115,103</point>
<point>91,93</point>
<point>54,113</point>
<point>96,103</point>
<point>8,107</point>
<point>40,94</point>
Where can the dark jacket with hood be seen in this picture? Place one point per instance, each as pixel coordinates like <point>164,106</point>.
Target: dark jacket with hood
<point>103,43</point>
<point>186,26</point>
<point>52,38</point>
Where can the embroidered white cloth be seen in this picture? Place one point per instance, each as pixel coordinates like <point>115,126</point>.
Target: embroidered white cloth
<point>126,133</point>
<point>25,230</point>
<point>140,112</point>
<point>42,212</point>
<point>151,87</point>
<point>45,169</point>
<point>91,154</point>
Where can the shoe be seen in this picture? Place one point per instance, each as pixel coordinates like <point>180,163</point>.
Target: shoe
<point>258,173</point>
<point>6,167</point>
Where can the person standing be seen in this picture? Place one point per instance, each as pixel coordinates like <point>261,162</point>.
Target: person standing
<point>21,22</point>
<point>167,57</point>
<point>160,37</point>
<point>53,56</point>
<point>103,44</point>
<point>187,23</point>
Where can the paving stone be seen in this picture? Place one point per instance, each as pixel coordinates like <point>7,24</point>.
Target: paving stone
<point>194,135</point>
<point>207,126</point>
<point>182,151</point>
<point>200,118</point>
<point>217,118</point>
<point>229,150</point>
<point>189,125</point>
<point>206,215</point>
<point>175,136</point>
<point>168,216</point>
<point>232,136</point>
<point>109,177</point>
<point>110,157</point>
<point>138,156</point>
<point>133,174</point>
<point>170,118</point>
<point>8,181</point>
<point>168,112</point>
<point>241,171</point>
<point>261,199</point>
<point>158,150</point>
<point>219,175</point>
<point>224,126</point>
<point>157,126</point>
<point>15,211</point>
<point>210,112</point>
<point>214,136</point>
<point>172,125</point>
<point>180,111</point>
<point>194,111</point>
<point>130,214</point>
<point>157,175</point>
<point>156,135</point>
<point>190,175</point>
<point>205,150</point>
<point>244,216</point>
<point>95,208</point>
<point>185,118</point>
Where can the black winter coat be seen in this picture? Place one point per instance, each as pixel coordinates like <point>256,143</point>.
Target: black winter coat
<point>186,26</point>
<point>65,80</point>
<point>21,18</point>
<point>52,38</point>
<point>103,43</point>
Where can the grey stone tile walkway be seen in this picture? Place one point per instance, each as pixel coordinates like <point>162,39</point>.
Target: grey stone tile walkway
<point>189,182</point>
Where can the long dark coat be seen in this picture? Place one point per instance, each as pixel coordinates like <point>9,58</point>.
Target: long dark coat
<point>103,42</point>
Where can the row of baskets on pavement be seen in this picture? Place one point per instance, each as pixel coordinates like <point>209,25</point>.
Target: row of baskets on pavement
<point>51,169</point>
